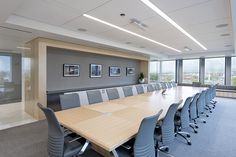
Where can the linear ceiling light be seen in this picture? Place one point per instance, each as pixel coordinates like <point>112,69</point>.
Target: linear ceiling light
<point>127,31</point>
<point>167,18</point>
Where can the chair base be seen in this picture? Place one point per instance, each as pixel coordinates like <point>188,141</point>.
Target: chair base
<point>184,135</point>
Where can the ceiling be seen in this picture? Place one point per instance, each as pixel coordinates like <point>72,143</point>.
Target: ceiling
<point>61,19</point>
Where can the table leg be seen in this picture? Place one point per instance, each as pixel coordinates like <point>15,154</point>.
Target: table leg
<point>115,153</point>
<point>84,147</point>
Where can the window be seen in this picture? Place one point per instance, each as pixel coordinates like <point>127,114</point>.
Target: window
<point>233,71</point>
<point>154,71</point>
<point>214,71</point>
<point>167,71</point>
<point>190,71</point>
<point>5,70</point>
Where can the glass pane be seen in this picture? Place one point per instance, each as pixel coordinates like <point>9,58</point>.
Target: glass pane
<point>190,71</point>
<point>215,71</point>
<point>154,71</point>
<point>233,71</point>
<point>5,71</point>
<point>168,71</point>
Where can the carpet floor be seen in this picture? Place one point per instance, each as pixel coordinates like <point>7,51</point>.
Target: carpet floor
<point>216,138</point>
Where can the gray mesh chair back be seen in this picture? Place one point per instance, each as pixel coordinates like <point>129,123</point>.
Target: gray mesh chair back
<point>139,89</point>
<point>55,133</point>
<point>94,96</point>
<point>112,93</point>
<point>201,102</point>
<point>168,126</point>
<point>158,86</point>
<point>169,85</point>
<point>144,141</point>
<point>150,88</point>
<point>208,95</point>
<point>127,91</point>
<point>68,101</point>
<point>193,107</point>
<point>174,84</point>
<point>163,85</point>
<point>184,115</point>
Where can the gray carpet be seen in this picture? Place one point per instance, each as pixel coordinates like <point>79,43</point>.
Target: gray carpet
<point>216,138</point>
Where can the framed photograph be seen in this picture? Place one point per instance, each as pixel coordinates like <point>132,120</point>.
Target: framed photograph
<point>95,70</point>
<point>71,70</point>
<point>114,71</point>
<point>130,71</point>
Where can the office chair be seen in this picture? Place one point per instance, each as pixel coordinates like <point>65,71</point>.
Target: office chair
<point>165,129</point>
<point>94,96</point>
<point>144,144</point>
<point>158,86</point>
<point>127,91</point>
<point>139,89</point>
<point>208,100</point>
<point>174,84</point>
<point>182,121</point>
<point>201,106</point>
<point>68,101</point>
<point>169,84</point>
<point>193,110</point>
<point>150,88</point>
<point>112,93</point>
<point>59,144</point>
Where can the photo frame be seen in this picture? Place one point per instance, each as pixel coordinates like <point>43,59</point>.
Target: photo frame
<point>71,70</point>
<point>95,70</point>
<point>114,71</point>
<point>130,71</point>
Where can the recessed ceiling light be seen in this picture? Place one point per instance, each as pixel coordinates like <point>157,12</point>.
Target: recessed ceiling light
<point>222,25</point>
<point>167,18</point>
<point>224,35</point>
<point>23,48</point>
<point>122,14</point>
<point>128,42</point>
<point>187,49</point>
<point>129,32</point>
<point>82,30</point>
<point>228,45</point>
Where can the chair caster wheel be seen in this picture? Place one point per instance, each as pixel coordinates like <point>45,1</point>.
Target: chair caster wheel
<point>196,127</point>
<point>188,136</point>
<point>167,149</point>
<point>204,121</point>
<point>207,115</point>
<point>175,135</point>
<point>210,111</point>
<point>195,131</point>
<point>189,143</point>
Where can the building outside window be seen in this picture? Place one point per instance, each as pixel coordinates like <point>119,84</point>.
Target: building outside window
<point>167,72</point>
<point>214,71</point>
<point>233,71</point>
<point>190,71</point>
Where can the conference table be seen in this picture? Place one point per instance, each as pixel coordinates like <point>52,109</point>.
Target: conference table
<point>112,123</point>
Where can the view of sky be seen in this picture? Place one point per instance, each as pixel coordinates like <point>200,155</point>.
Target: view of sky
<point>215,65</point>
<point>191,65</point>
<point>5,63</point>
<point>233,64</point>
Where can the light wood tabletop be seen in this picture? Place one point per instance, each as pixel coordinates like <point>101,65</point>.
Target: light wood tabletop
<point>112,123</point>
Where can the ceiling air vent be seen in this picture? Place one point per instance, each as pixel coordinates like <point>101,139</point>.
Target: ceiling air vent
<point>221,25</point>
<point>138,23</point>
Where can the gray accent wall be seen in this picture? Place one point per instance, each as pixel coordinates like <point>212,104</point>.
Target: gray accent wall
<point>57,57</point>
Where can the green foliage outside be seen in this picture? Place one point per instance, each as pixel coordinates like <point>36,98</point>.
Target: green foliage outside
<point>233,81</point>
